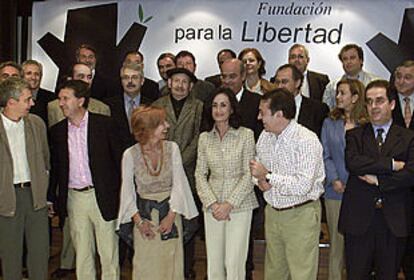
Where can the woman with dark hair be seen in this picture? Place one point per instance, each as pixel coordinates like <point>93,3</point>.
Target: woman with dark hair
<point>154,193</point>
<point>225,188</point>
<point>349,112</point>
<point>255,69</point>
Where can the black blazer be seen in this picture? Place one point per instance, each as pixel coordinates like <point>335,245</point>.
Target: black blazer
<point>215,80</point>
<point>249,109</point>
<point>312,113</point>
<point>317,83</point>
<point>119,116</point>
<point>101,87</point>
<point>40,108</point>
<point>362,157</point>
<point>105,154</point>
<point>398,117</point>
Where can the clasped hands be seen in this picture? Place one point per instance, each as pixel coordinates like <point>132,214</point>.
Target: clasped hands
<point>221,211</point>
<point>147,229</point>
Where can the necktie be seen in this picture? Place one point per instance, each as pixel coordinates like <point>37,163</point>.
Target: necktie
<point>379,138</point>
<point>130,109</point>
<point>407,111</point>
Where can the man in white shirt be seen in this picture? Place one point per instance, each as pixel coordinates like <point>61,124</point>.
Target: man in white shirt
<point>352,59</point>
<point>289,170</point>
<point>24,178</point>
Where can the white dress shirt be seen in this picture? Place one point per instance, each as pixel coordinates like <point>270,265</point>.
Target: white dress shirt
<point>17,143</point>
<point>295,159</point>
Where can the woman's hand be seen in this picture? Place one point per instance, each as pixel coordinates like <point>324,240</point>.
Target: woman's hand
<point>145,227</point>
<point>166,223</point>
<point>222,211</point>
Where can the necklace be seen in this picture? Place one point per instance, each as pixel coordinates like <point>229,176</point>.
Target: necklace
<point>148,162</point>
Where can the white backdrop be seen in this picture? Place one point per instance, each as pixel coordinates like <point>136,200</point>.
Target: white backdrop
<point>176,25</point>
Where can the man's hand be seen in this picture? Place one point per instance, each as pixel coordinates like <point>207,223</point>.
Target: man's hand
<point>370,179</point>
<point>258,170</point>
<point>398,165</point>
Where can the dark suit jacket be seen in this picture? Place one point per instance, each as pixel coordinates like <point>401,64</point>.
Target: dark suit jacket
<point>312,113</point>
<point>215,80</point>
<point>119,116</point>
<point>150,90</point>
<point>397,115</point>
<point>249,109</point>
<point>362,157</point>
<point>104,162</point>
<point>317,83</point>
<point>101,87</point>
<point>40,108</point>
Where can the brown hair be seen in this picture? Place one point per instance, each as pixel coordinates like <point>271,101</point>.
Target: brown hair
<point>144,120</point>
<point>359,112</point>
<point>258,56</point>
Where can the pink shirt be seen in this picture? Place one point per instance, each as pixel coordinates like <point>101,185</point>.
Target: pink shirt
<point>79,171</point>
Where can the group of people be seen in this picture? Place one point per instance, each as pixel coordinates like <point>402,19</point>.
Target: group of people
<point>129,164</point>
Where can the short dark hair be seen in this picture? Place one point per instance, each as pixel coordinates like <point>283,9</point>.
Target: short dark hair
<point>281,100</point>
<point>80,89</point>
<point>350,47</point>
<point>12,64</point>
<point>137,52</point>
<point>166,55</point>
<point>296,74</point>
<point>85,46</point>
<point>234,120</point>
<point>231,52</point>
<point>184,54</point>
<point>381,84</point>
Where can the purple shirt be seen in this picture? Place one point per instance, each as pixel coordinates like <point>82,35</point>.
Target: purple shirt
<point>79,171</point>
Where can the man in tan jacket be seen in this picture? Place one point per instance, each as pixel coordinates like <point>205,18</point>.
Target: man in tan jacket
<point>24,178</point>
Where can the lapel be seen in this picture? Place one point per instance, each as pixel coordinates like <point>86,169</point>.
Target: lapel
<point>122,114</point>
<point>63,143</point>
<point>311,83</point>
<point>29,141</point>
<point>391,141</point>
<point>170,111</point>
<point>304,111</point>
<point>187,109</point>
<point>370,144</point>
<point>91,138</point>
<point>3,138</point>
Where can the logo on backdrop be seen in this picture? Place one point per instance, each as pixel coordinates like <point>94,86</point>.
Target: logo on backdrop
<point>392,54</point>
<point>96,26</point>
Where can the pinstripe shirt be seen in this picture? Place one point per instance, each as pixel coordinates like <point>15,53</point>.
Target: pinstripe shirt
<point>295,159</point>
<point>222,171</point>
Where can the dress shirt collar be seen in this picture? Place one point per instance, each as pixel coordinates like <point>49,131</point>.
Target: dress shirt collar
<point>127,100</point>
<point>386,128</point>
<point>231,131</point>
<point>402,102</point>
<point>8,123</point>
<point>239,95</point>
<point>83,122</point>
<point>286,134</point>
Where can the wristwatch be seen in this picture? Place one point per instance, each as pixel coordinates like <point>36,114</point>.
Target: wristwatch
<point>268,176</point>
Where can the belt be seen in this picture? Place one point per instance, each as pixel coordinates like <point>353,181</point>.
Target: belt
<point>87,188</point>
<point>23,185</point>
<point>379,203</point>
<point>294,206</point>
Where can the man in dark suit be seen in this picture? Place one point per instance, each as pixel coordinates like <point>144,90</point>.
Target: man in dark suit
<point>222,56</point>
<point>149,88</point>
<point>375,212</point>
<point>314,83</point>
<point>32,73</point>
<point>309,112</point>
<point>165,62</point>
<point>403,116</point>
<point>101,87</point>
<point>233,75</point>
<point>132,79</point>
<point>201,89</point>
<point>86,157</point>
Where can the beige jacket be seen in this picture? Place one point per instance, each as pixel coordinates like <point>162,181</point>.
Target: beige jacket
<point>38,157</point>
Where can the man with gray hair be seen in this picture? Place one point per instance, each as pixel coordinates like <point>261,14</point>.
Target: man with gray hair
<point>24,181</point>
<point>314,83</point>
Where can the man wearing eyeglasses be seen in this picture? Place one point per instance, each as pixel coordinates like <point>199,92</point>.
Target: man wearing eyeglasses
<point>314,83</point>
